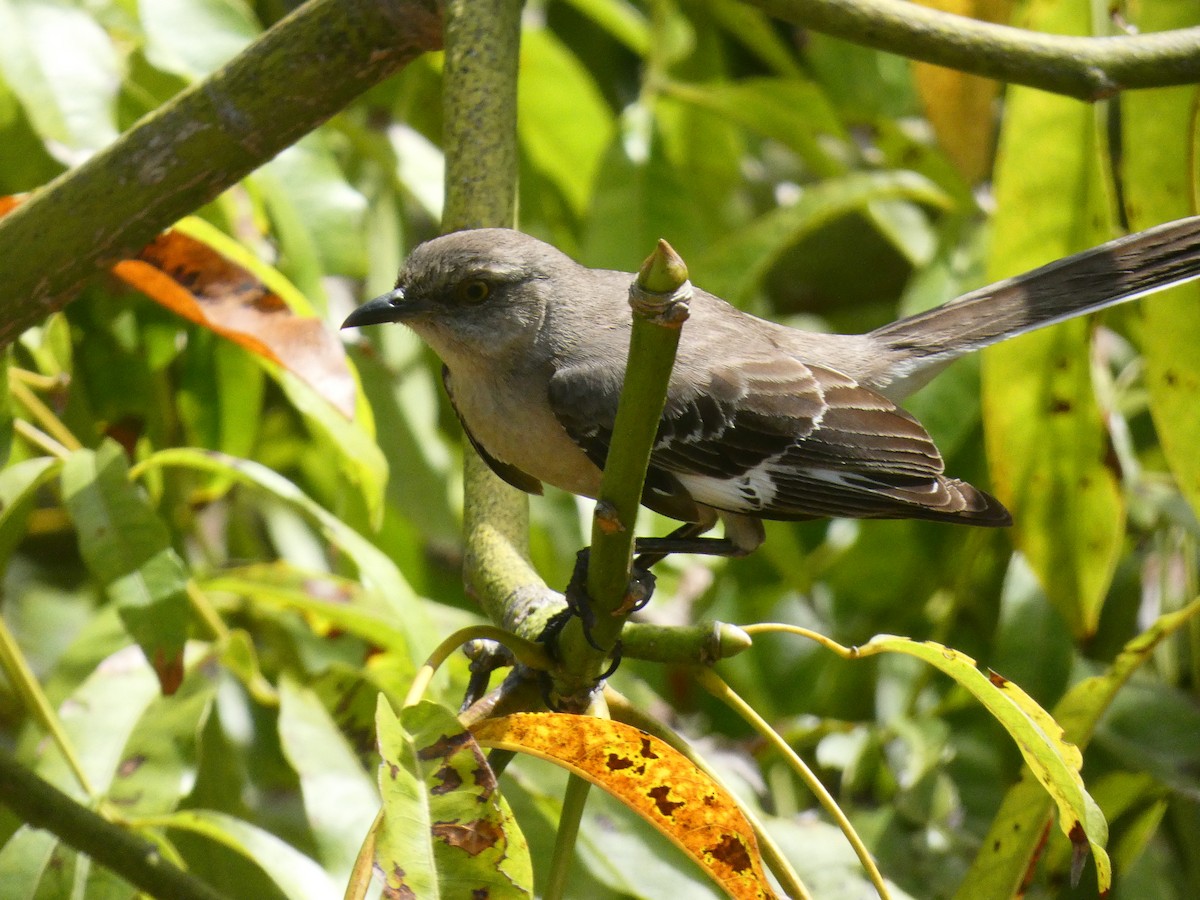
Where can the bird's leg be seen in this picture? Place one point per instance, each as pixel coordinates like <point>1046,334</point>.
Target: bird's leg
<point>684,539</point>
<point>578,602</point>
<point>742,535</point>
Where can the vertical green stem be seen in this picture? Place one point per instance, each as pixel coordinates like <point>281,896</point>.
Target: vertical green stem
<point>482,39</point>
<point>659,302</point>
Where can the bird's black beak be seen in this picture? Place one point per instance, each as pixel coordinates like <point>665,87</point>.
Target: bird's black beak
<point>387,308</point>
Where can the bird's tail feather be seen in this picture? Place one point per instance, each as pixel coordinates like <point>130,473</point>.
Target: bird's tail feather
<point>1112,273</point>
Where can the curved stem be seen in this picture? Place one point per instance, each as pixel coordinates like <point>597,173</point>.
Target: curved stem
<point>526,652</point>
<point>716,686</point>
<point>1088,68</point>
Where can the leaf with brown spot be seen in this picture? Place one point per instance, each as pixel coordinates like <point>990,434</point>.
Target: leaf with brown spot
<point>444,825</point>
<point>652,779</point>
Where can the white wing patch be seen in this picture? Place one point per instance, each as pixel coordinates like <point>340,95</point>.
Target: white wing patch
<point>752,491</point>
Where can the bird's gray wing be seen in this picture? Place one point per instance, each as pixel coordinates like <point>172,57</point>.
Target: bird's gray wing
<point>518,478</point>
<point>778,438</point>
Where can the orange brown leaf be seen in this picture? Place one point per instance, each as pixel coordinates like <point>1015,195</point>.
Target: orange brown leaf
<point>194,281</point>
<point>652,779</point>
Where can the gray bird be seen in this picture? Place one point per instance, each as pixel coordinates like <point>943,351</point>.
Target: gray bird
<point>762,421</point>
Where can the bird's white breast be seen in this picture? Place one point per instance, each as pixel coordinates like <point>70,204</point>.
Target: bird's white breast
<point>518,427</point>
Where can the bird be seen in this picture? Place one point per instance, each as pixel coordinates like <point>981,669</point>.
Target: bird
<point>762,421</point>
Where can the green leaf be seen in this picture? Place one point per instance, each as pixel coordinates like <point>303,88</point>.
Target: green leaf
<point>19,484</point>
<point>318,216</point>
<point>158,762</point>
<point>436,841</point>
<point>639,188</point>
<point>298,876</point>
<point>563,122</point>
<point>69,94</point>
<point>194,38</point>
<point>34,864</point>
<point>793,112</point>
<point>1017,830</point>
<point>734,267</point>
<point>98,720</point>
<point>128,551</point>
<point>338,601</point>
<point>340,798</point>
<point>1046,441</point>
<point>1054,762</point>
<point>1158,172</point>
<point>6,424</point>
<point>621,19</point>
<point>387,589</point>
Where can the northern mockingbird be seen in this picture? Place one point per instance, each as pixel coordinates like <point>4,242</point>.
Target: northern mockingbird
<point>762,421</point>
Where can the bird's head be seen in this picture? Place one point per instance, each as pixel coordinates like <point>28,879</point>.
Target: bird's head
<point>471,295</point>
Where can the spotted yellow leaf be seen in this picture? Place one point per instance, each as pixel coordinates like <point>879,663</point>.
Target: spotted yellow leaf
<point>653,780</point>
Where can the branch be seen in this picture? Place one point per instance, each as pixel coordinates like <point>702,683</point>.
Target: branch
<point>42,805</point>
<point>480,141</point>
<point>1088,68</point>
<point>659,297</point>
<point>306,68</point>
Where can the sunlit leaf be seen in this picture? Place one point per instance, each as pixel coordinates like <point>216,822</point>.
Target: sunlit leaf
<point>796,113</point>
<point>446,830</point>
<point>563,120</point>
<point>128,550</point>
<point>193,38</point>
<point>158,763</point>
<point>960,107</point>
<point>652,779</point>
<point>1017,831</point>
<point>340,798</point>
<point>1158,172</point>
<point>19,484</point>
<point>69,95</point>
<point>379,574</point>
<point>298,876</point>
<point>621,19</point>
<point>1047,445</point>
<point>329,600</point>
<point>736,265</point>
<point>317,216</point>
<point>1054,761</point>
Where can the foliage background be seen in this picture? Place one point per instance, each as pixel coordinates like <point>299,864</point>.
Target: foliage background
<point>804,179</point>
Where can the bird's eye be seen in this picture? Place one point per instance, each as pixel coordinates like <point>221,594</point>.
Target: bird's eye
<point>474,291</point>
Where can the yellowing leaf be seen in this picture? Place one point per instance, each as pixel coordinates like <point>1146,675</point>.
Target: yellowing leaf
<point>1016,833</point>
<point>1047,445</point>
<point>652,779</point>
<point>1158,172</point>
<point>961,107</point>
<point>1054,761</point>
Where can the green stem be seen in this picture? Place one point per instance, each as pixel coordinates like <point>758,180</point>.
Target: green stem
<point>659,298</point>
<point>42,805</point>
<point>480,107</point>
<point>1088,68</point>
<point>716,686</point>
<point>26,685</point>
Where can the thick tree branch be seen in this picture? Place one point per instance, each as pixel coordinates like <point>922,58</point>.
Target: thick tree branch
<point>1089,68</point>
<point>305,69</point>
